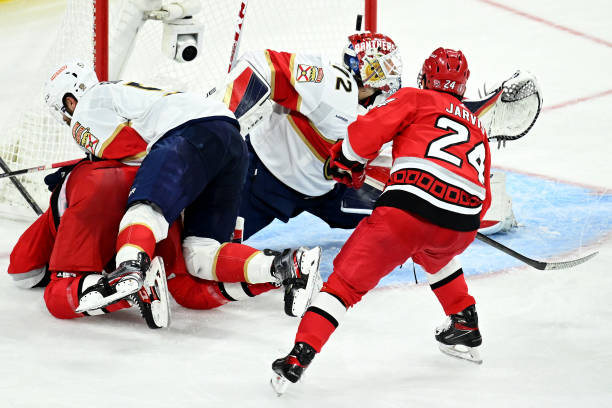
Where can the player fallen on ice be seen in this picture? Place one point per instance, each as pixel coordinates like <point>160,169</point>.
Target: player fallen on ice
<point>70,246</point>
<point>430,209</point>
<point>192,162</point>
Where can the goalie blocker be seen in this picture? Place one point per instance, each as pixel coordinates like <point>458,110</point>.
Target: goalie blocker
<point>245,92</point>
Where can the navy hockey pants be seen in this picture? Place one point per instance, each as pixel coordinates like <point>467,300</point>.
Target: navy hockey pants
<point>198,167</point>
<point>265,198</point>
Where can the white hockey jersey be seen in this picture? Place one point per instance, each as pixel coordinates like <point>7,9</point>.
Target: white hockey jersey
<point>314,103</point>
<point>121,120</point>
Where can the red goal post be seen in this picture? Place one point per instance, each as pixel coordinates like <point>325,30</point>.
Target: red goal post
<point>113,37</point>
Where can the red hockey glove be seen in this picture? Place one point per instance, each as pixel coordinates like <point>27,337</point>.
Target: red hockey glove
<point>343,170</point>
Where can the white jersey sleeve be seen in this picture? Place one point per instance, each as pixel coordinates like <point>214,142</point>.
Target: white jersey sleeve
<point>122,120</point>
<point>315,102</point>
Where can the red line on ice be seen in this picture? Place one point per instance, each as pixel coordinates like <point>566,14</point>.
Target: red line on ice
<point>548,23</point>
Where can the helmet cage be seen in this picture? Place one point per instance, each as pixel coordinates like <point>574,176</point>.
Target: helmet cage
<point>383,70</point>
<point>374,61</point>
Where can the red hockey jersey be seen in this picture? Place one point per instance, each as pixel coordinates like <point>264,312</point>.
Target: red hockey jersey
<point>84,240</point>
<point>441,157</point>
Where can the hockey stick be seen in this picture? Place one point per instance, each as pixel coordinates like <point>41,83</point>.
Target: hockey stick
<point>237,37</point>
<point>19,186</point>
<point>543,266</point>
<point>12,174</point>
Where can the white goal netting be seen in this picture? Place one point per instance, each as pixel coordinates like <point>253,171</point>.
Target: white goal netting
<point>35,138</point>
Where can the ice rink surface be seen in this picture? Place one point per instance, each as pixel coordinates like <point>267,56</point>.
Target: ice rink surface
<point>546,334</point>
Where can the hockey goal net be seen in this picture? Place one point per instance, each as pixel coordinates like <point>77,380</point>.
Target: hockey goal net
<point>318,26</point>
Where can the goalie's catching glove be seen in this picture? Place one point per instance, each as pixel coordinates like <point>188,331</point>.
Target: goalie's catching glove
<point>343,170</point>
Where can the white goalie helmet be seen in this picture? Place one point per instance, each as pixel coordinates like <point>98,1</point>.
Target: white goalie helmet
<point>74,78</point>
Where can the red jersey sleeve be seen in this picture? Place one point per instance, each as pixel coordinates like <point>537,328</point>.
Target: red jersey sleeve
<point>369,132</point>
<point>125,144</point>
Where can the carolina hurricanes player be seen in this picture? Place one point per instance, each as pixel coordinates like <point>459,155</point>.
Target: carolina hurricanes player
<point>68,248</point>
<point>314,101</point>
<point>430,209</point>
<point>192,160</point>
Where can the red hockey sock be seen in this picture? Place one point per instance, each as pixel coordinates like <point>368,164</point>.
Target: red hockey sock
<point>452,293</point>
<point>137,236</point>
<point>232,262</point>
<point>62,297</point>
<point>320,320</point>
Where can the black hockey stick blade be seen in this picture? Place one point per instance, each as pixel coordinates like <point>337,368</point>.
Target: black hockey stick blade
<point>540,265</point>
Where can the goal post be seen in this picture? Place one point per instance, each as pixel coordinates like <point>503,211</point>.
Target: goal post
<point>120,43</point>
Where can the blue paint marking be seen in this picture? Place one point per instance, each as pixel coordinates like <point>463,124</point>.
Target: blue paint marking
<point>554,218</point>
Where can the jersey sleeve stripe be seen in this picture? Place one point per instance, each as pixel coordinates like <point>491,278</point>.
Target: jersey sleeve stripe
<point>282,81</point>
<point>310,135</point>
<point>123,143</point>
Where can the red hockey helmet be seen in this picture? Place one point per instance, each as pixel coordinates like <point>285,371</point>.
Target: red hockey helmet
<point>445,70</point>
<point>374,60</point>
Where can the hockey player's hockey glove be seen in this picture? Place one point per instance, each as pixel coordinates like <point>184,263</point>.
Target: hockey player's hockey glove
<point>57,177</point>
<point>343,170</point>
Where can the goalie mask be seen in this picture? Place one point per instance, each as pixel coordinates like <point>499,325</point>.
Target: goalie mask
<point>74,79</point>
<point>445,70</point>
<point>374,60</point>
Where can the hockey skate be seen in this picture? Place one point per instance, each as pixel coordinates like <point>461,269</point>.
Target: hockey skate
<point>290,368</point>
<point>152,299</point>
<point>119,284</point>
<point>298,271</point>
<point>459,335</point>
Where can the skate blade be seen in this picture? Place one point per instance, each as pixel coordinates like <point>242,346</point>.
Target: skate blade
<point>279,384</point>
<point>310,261</point>
<point>461,352</point>
<point>95,300</point>
<point>156,278</point>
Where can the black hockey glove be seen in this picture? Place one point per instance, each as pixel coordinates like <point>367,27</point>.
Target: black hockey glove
<point>57,177</point>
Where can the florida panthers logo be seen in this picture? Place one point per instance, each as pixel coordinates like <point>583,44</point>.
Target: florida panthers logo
<point>308,73</point>
<point>83,136</point>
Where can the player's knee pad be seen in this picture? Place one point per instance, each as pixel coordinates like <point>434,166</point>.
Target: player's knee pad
<point>200,255</point>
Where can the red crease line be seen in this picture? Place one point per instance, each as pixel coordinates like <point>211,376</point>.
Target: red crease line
<point>577,100</point>
<point>548,23</point>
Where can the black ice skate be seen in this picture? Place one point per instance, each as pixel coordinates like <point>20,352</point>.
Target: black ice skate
<point>152,299</point>
<point>459,335</point>
<point>127,279</point>
<point>290,368</point>
<point>298,271</point>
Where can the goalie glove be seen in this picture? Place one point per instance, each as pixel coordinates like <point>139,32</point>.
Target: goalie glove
<point>515,111</point>
<point>343,170</point>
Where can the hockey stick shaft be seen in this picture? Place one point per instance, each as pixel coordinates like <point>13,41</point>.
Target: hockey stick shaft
<point>12,174</point>
<point>379,185</point>
<point>22,190</point>
<point>532,262</point>
<point>237,34</point>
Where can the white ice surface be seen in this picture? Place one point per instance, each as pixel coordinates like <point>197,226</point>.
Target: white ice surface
<point>546,334</point>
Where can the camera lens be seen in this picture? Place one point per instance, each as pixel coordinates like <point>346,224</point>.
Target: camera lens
<point>189,53</point>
